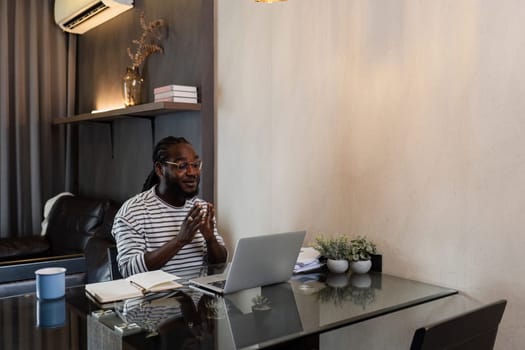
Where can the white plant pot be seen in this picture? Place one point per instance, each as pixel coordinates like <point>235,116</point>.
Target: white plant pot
<point>360,266</point>
<point>337,266</point>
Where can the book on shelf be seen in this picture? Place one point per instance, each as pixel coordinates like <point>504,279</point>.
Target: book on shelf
<point>174,93</point>
<point>174,87</point>
<point>177,99</point>
<point>132,287</point>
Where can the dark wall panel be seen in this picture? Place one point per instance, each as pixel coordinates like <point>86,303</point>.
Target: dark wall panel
<point>118,172</point>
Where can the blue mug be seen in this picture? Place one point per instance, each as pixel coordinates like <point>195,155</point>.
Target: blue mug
<point>51,313</point>
<point>50,283</point>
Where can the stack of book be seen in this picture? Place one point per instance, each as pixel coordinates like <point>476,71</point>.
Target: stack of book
<point>176,93</point>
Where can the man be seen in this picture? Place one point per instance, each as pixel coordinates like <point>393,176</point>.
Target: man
<point>166,226</point>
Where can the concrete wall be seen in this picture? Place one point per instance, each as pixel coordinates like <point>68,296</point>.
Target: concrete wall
<point>399,120</point>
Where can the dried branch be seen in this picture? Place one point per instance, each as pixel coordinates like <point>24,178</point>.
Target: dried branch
<point>148,43</point>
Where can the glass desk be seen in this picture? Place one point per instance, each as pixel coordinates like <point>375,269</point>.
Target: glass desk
<point>280,315</point>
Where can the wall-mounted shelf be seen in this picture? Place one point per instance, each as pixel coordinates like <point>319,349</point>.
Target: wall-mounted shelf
<point>146,110</point>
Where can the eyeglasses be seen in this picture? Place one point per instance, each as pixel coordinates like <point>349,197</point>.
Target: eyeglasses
<point>182,166</point>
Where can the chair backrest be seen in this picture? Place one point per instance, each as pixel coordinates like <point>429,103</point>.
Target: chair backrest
<point>73,221</point>
<point>475,329</point>
<point>112,257</point>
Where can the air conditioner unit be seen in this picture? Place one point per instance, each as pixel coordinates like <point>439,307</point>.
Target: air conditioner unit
<point>79,16</point>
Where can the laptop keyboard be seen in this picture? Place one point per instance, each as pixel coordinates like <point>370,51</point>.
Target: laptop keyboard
<point>219,284</point>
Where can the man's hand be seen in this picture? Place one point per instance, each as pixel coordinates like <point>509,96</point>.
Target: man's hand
<point>156,259</point>
<point>200,217</point>
<point>206,226</point>
<point>216,252</point>
<point>190,225</point>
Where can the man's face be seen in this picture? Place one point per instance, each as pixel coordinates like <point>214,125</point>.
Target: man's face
<point>182,178</point>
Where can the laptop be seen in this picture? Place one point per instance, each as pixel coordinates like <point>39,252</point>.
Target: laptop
<point>257,261</point>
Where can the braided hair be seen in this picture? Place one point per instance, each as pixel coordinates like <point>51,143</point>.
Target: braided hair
<point>160,154</point>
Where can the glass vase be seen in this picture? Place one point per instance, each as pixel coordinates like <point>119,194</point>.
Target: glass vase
<point>132,84</point>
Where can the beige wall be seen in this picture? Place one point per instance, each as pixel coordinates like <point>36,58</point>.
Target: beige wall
<point>399,120</point>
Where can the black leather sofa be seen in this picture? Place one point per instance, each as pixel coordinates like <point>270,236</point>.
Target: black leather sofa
<point>77,238</point>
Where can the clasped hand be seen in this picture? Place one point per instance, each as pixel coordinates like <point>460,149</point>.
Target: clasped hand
<point>200,218</point>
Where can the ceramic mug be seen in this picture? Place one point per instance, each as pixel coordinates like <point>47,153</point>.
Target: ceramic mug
<point>50,283</point>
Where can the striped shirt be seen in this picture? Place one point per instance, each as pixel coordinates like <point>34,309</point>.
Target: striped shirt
<point>144,223</point>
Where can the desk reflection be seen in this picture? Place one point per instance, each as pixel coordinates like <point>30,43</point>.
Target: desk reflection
<point>259,315</point>
<point>201,321</point>
<point>308,306</point>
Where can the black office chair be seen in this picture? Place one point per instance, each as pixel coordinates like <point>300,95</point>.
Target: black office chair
<point>473,330</point>
<point>112,257</point>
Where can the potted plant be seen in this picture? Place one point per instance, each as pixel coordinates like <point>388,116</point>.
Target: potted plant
<point>361,250</point>
<point>335,250</point>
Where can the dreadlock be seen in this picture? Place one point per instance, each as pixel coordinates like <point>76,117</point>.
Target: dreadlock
<point>160,154</point>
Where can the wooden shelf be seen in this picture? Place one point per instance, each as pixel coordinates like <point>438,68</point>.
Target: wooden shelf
<point>146,110</point>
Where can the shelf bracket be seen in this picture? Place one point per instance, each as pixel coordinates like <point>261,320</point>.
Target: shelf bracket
<point>112,139</point>
<point>152,123</point>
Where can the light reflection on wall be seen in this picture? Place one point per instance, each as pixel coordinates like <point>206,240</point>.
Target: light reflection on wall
<point>108,94</point>
<point>106,103</point>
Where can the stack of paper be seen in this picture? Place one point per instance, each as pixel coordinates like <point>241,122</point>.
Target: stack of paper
<point>308,260</point>
<point>176,93</point>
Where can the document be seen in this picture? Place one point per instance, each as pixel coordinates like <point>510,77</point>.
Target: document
<point>308,260</point>
<point>307,255</point>
<point>132,287</point>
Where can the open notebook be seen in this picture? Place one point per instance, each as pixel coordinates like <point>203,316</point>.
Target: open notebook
<point>132,287</point>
